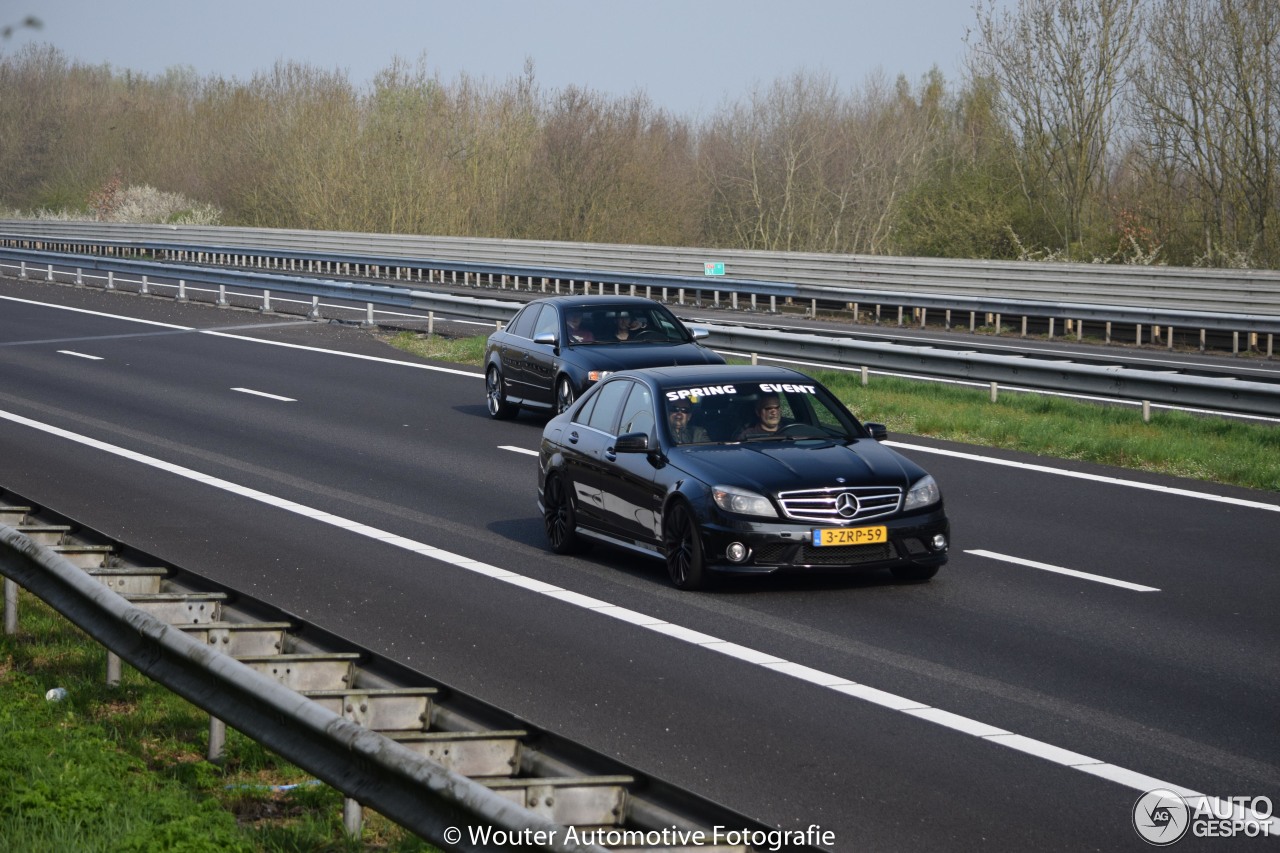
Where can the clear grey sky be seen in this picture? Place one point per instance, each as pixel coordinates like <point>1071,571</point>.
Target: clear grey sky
<point>689,56</point>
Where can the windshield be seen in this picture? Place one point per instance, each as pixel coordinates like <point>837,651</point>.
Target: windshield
<point>801,410</point>
<point>623,325</point>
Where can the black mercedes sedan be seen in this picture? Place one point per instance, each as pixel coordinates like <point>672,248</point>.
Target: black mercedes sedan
<point>555,349</point>
<point>731,469</point>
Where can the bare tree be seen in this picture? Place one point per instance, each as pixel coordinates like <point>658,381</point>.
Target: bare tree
<point>1208,95</point>
<point>1060,67</point>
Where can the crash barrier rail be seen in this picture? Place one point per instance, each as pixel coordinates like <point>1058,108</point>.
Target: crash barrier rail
<point>445,766</point>
<point>1047,373</point>
<point>1240,301</point>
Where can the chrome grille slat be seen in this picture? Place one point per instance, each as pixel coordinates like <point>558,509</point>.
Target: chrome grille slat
<point>819,505</point>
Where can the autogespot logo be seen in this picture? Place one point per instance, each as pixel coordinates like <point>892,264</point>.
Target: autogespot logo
<point>1161,817</point>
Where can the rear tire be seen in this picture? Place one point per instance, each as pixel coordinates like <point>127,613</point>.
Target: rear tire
<point>559,519</point>
<point>683,545</point>
<point>495,398</point>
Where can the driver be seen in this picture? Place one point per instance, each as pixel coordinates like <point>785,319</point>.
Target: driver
<point>768,419</point>
<point>679,415</point>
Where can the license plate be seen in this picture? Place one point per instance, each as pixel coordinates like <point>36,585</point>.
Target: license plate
<point>823,536</point>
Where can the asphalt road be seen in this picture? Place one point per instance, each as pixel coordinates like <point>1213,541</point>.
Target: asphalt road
<point>1003,705</point>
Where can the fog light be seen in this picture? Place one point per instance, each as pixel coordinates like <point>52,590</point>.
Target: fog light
<point>939,542</point>
<point>736,552</point>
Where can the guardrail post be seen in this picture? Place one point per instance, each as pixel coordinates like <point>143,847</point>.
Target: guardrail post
<point>865,375</point>
<point>1146,411</point>
<point>973,321</point>
<point>948,320</point>
<point>142,290</point>
<point>999,323</point>
<point>314,314</point>
<point>1108,339</point>
<point>181,295</point>
<point>266,302</point>
<point>1137,337</point>
<point>1269,341</point>
<point>995,392</point>
<point>217,740</point>
<point>431,323</point>
<point>49,275</point>
<point>924,317</point>
<point>1080,330</point>
<point>899,315</point>
<point>79,277</point>
<point>1024,325</point>
<point>352,817</point>
<point>680,296</point>
<point>10,607</point>
<point>773,305</point>
<point>1051,319</point>
<point>1235,343</point>
<point>111,280</point>
<point>222,297</point>
<point>113,669</point>
<point>1202,340</point>
<point>22,269</point>
<point>368,316</point>
<point>1171,338</point>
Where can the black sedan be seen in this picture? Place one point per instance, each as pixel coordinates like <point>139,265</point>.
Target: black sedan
<point>555,349</point>
<point>735,469</point>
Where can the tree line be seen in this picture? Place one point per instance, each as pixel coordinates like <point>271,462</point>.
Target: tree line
<point>1135,131</point>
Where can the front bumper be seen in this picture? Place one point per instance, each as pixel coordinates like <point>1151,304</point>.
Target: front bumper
<point>787,546</point>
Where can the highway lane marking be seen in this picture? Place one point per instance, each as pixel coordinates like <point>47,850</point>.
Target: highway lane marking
<point>80,354</point>
<point>265,394</point>
<point>1079,475</point>
<point>1136,587</point>
<point>517,450</point>
<point>918,710</point>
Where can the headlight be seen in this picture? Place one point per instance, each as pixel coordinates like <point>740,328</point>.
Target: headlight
<point>742,501</point>
<point>924,492</point>
<point>597,375</point>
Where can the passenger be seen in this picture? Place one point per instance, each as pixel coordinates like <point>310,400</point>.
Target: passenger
<point>628,326</point>
<point>679,417</point>
<point>577,334</point>
<point>768,419</point>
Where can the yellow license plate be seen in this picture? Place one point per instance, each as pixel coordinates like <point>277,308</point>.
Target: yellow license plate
<point>823,536</point>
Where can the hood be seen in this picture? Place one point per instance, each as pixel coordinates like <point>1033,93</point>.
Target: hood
<point>769,467</point>
<point>615,357</point>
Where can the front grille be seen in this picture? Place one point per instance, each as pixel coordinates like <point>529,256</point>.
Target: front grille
<point>846,555</point>
<point>842,504</point>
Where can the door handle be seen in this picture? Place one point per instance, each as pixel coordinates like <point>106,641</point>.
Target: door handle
<point>573,438</point>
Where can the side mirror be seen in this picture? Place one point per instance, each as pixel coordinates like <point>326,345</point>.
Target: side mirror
<point>878,431</point>
<point>548,338</point>
<point>699,333</point>
<point>632,442</point>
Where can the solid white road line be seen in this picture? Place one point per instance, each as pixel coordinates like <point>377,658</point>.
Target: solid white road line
<point>1136,587</point>
<point>974,728</point>
<point>265,394</point>
<point>1079,475</point>
<point>79,354</point>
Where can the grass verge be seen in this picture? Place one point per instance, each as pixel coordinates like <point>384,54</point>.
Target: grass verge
<point>122,769</point>
<point>1218,450</point>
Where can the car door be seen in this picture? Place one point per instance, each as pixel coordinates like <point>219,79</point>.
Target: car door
<point>586,440</point>
<point>542,357</point>
<point>513,350</point>
<point>629,505</point>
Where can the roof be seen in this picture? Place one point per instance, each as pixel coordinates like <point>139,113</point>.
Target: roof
<point>590,302</point>
<point>719,374</point>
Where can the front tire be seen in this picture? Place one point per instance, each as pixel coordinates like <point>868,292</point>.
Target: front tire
<point>683,545</point>
<point>565,394</point>
<point>559,519</point>
<point>495,398</point>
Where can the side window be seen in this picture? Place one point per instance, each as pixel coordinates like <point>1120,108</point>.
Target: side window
<point>522,324</point>
<point>609,400</point>
<point>637,414</point>
<point>548,322</point>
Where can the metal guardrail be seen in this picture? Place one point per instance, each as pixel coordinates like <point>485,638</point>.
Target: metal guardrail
<point>1048,373</point>
<point>385,737</point>
<point>364,765</point>
<point>1223,300</point>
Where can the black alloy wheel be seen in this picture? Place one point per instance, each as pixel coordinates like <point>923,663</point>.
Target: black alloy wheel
<point>495,398</point>
<point>559,521</point>
<point>565,395</point>
<point>683,547</point>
